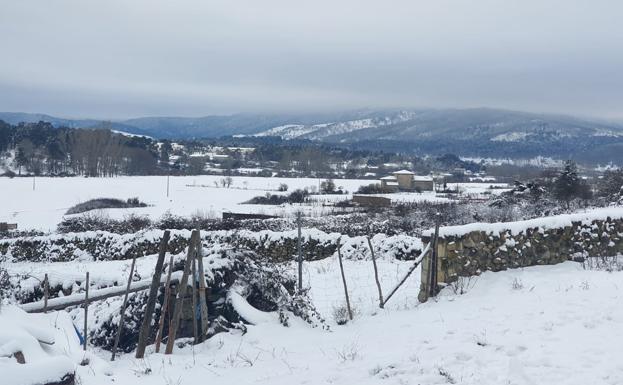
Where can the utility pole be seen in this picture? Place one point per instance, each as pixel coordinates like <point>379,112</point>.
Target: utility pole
<point>168,185</point>
<point>300,252</point>
<point>33,182</point>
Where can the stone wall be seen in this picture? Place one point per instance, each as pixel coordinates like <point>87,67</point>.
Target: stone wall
<point>271,245</point>
<point>472,249</point>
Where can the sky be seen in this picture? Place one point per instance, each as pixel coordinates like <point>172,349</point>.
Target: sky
<point>128,58</point>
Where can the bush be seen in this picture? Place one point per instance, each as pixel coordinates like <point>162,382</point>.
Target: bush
<point>297,196</point>
<point>283,187</point>
<point>340,314</point>
<point>94,222</point>
<point>104,203</point>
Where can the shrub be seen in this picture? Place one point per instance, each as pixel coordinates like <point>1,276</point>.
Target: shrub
<point>283,187</point>
<point>104,203</point>
<point>297,196</point>
<point>340,314</point>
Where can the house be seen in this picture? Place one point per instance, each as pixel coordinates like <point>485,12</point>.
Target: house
<point>405,180</point>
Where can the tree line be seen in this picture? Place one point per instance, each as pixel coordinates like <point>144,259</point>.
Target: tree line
<point>40,148</point>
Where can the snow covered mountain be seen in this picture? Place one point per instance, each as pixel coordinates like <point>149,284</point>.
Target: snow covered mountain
<point>482,132</point>
<point>327,130</point>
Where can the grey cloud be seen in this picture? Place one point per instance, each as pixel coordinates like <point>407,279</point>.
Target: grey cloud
<point>151,57</point>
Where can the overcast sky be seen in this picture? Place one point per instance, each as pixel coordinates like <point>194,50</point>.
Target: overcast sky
<point>127,58</point>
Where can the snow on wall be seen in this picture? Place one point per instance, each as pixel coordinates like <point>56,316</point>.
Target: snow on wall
<point>279,246</point>
<point>553,222</point>
<point>471,249</point>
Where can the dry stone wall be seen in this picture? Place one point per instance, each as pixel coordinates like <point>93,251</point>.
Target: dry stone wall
<point>471,249</point>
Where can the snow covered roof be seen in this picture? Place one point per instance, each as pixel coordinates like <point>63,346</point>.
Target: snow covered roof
<point>392,183</point>
<point>403,172</point>
<point>390,177</point>
<point>421,178</point>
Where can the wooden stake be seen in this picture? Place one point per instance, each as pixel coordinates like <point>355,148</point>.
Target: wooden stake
<point>46,293</point>
<point>165,306</point>
<point>122,315</point>
<point>202,294</point>
<point>153,295</point>
<point>86,310</point>
<point>181,293</point>
<point>339,254</point>
<point>376,274</point>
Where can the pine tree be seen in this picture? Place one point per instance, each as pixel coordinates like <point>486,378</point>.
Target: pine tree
<point>568,185</point>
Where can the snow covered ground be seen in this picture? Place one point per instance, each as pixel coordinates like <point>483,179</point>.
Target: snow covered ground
<point>539,325</point>
<point>44,207</point>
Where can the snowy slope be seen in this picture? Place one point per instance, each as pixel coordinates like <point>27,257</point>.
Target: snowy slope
<point>320,131</point>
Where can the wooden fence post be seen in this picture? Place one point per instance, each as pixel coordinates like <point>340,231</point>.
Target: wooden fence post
<point>433,259</point>
<point>339,254</point>
<point>165,305</point>
<point>181,293</point>
<point>376,274</point>
<point>193,286</point>
<point>86,310</point>
<point>46,293</point>
<point>122,315</point>
<point>300,252</point>
<point>202,294</point>
<point>153,295</point>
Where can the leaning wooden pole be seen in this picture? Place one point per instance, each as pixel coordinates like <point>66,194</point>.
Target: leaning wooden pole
<point>339,254</point>
<point>181,293</point>
<point>122,315</point>
<point>376,274</point>
<point>417,262</point>
<point>86,310</point>
<point>165,306</point>
<point>203,304</point>
<point>143,336</point>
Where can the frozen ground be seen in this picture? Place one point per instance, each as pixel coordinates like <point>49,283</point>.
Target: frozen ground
<point>539,325</point>
<point>44,207</point>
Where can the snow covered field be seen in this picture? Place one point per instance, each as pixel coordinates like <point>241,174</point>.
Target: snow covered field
<point>44,207</point>
<point>540,325</point>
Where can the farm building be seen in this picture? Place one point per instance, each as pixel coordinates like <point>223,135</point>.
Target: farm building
<point>405,180</point>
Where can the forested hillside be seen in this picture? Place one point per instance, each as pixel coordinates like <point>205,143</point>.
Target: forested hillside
<point>41,148</point>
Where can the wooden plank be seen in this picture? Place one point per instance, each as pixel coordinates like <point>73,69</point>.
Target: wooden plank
<point>125,303</point>
<point>181,293</point>
<point>153,294</point>
<point>165,306</point>
<point>60,303</point>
